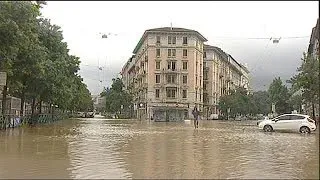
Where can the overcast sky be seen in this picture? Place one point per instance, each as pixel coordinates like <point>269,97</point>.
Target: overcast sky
<point>227,25</point>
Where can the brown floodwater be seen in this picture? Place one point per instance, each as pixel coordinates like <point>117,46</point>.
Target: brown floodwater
<point>101,148</point>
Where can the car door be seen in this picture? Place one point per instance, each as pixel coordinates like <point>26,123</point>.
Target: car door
<point>281,122</point>
<point>296,121</point>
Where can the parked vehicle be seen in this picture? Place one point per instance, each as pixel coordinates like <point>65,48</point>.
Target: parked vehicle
<point>214,117</point>
<point>90,114</point>
<point>292,122</point>
<point>81,114</point>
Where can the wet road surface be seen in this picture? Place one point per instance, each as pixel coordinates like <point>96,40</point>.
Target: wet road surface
<point>101,148</point>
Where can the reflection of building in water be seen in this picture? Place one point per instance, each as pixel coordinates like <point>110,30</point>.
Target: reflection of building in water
<point>179,154</point>
<point>94,151</point>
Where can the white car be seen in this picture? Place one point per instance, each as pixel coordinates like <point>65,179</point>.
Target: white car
<point>295,122</point>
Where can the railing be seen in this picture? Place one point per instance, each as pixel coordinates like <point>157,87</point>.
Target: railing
<point>9,121</point>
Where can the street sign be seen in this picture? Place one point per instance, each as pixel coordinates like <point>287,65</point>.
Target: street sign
<point>3,78</point>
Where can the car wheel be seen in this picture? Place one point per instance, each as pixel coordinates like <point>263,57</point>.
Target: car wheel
<point>304,130</point>
<point>267,128</point>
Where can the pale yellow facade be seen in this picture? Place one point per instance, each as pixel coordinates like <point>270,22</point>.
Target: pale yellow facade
<point>166,74</point>
<point>172,71</point>
<point>221,74</point>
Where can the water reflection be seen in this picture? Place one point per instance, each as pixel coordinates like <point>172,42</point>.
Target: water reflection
<point>100,148</point>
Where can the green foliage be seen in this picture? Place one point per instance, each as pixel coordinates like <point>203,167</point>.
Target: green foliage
<point>307,79</point>
<point>238,102</point>
<point>116,97</point>
<point>279,95</point>
<point>36,59</point>
<point>261,103</point>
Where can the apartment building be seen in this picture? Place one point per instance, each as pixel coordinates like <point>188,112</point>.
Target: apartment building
<point>313,51</point>
<point>313,48</point>
<point>221,74</point>
<point>165,74</point>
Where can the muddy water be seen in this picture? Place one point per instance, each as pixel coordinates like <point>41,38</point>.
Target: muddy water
<point>100,148</point>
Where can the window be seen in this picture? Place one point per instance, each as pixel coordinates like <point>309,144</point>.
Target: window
<point>172,65</point>
<point>204,54</point>
<point>171,40</point>
<point>196,95</point>
<point>171,52</point>
<point>171,92</point>
<point>185,41</point>
<point>204,64</point>
<point>205,98</point>
<point>184,65</point>
<point>184,79</point>
<point>157,93</point>
<point>158,53</point>
<point>285,117</point>
<point>196,80</point>
<point>171,78</point>
<point>296,117</point>
<point>174,39</point>
<point>205,86</point>
<point>196,67</point>
<point>185,53</point>
<point>157,78</point>
<point>157,65</point>
<point>184,93</point>
<point>158,39</point>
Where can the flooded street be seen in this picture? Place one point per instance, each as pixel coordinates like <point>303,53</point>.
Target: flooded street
<point>100,148</point>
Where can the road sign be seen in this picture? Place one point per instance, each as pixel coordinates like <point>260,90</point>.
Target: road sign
<point>3,78</point>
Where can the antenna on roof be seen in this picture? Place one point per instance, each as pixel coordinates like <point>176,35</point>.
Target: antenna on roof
<point>171,25</point>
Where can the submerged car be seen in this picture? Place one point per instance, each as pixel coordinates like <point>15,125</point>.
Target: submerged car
<point>291,122</point>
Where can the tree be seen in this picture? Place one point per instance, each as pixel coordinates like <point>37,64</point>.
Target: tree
<point>18,37</point>
<point>37,61</point>
<point>307,80</point>
<point>238,102</point>
<point>261,102</point>
<point>279,95</point>
<point>116,97</point>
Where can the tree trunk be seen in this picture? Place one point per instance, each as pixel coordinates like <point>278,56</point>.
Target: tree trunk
<point>23,98</point>
<point>4,100</point>
<point>40,110</point>
<point>33,106</point>
<point>313,111</point>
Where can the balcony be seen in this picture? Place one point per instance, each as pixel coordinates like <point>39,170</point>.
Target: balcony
<point>175,85</point>
<point>171,100</point>
<point>170,71</point>
<point>206,68</point>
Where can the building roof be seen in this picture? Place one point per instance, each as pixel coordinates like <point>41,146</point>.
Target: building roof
<point>314,36</point>
<point>217,49</point>
<point>221,52</point>
<point>166,29</point>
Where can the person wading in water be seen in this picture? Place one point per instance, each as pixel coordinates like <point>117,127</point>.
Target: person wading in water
<point>195,113</point>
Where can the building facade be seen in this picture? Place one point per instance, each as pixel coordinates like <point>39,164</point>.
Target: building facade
<point>172,71</point>
<point>165,74</point>
<point>221,74</point>
<point>313,51</point>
